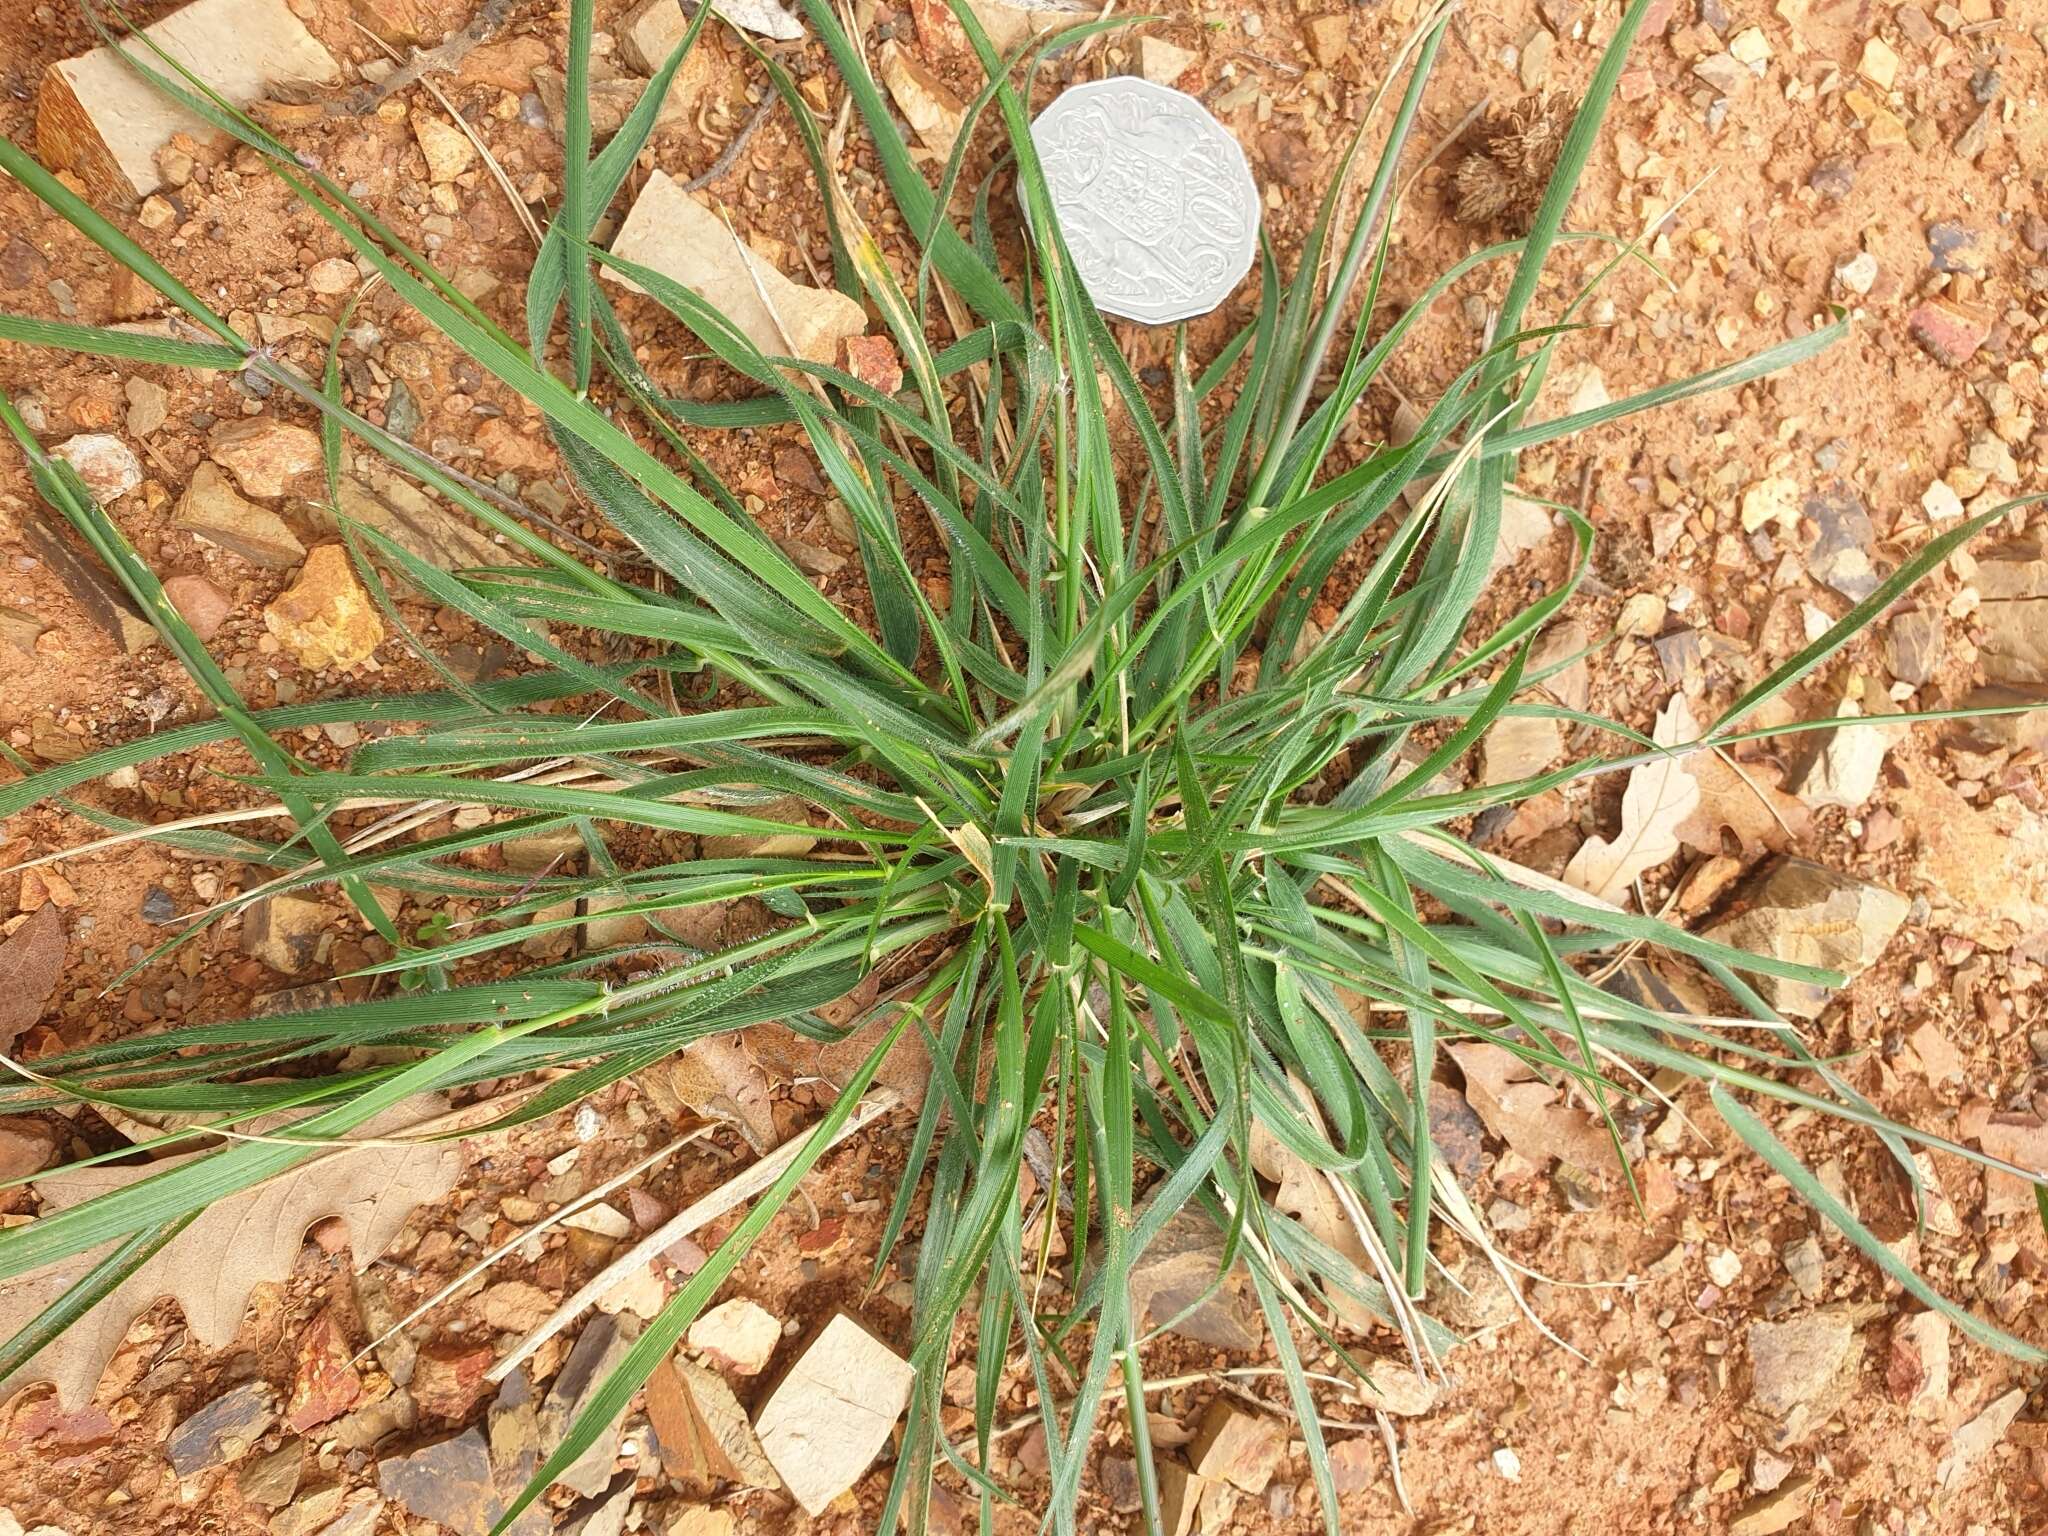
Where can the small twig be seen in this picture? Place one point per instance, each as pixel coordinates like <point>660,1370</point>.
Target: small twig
<point>1080,50</point>
<point>446,58</point>
<point>581,1202</point>
<point>420,1133</point>
<point>736,1191</point>
<point>731,152</point>
<point>1278,66</point>
<point>752,265</point>
<point>1436,152</point>
<point>490,160</point>
<point>1394,1459</point>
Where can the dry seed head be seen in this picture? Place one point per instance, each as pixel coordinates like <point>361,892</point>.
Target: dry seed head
<point>1486,190</point>
<point>1528,138</point>
<point>1504,182</point>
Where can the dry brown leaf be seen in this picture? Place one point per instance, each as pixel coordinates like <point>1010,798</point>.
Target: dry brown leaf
<point>1748,803</point>
<point>31,960</point>
<point>1659,797</point>
<point>791,1057</point>
<point>1528,1113</point>
<point>1306,1195</point>
<point>1518,747</point>
<point>1572,685</point>
<point>211,1267</point>
<point>716,1076</point>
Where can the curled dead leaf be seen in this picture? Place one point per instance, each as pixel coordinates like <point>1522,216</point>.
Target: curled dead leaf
<point>716,1076</point>
<point>1306,1194</point>
<point>31,961</point>
<point>1745,798</point>
<point>1530,1115</point>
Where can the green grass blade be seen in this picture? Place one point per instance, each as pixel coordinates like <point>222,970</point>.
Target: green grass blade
<point>662,1334</point>
<point>89,222</point>
<point>1779,1157</point>
<point>103,341</point>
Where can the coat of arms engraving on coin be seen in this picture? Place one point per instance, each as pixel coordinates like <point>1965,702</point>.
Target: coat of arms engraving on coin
<point>1154,197</point>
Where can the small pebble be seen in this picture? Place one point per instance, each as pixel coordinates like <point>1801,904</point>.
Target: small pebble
<point>1833,179</point>
<point>334,275</point>
<point>1858,274</point>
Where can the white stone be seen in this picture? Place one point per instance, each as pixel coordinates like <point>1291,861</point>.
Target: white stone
<point>336,274</point>
<point>1010,23</point>
<point>832,1414</point>
<point>107,465</point>
<point>1858,274</point>
<point>1844,770</point>
<point>669,231</point>
<point>1750,46</point>
<point>1588,392</point>
<point>603,1220</point>
<point>740,1335</point>
<point>1773,499</point>
<point>1161,62</point>
<point>642,1293</point>
<point>1940,502</point>
<point>1879,64</point>
<point>98,117</point>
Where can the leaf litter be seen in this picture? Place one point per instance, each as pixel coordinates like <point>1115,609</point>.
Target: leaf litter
<point>1660,796</point>
<point>31,961</point>
<point>230,1247</point>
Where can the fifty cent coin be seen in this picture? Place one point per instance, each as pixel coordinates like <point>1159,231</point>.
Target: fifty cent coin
<point>1153,195</point>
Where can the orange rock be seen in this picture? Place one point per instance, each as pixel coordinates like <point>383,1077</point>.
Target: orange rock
<point>325,618</point>
<point>873,360</point>
<point>448,1377</point>
<point>1236,1447</point>
<point>324,1384</point>
<point>739,1334</point>
<point>264,455</point>
<point>200,603</point>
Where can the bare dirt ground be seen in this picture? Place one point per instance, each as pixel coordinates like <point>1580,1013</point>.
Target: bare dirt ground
<point>1783,162</point>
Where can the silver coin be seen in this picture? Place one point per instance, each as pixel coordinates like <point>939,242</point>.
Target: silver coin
<point>1153,195</point>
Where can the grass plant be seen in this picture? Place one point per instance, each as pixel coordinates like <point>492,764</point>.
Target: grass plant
<point>1146,858</point>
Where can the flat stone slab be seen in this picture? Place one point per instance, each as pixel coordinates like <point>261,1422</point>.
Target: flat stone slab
<point>97,117</point>
<point>833,1412</point>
